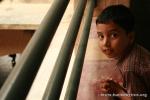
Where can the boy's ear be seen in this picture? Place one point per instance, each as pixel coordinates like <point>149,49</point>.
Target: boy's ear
<point>131,37</point>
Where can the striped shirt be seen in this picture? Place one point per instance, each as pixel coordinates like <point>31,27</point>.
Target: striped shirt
<point>135,68</point>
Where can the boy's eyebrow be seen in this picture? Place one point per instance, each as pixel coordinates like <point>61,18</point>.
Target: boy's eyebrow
<point>99,33</point>
<point>113,30</point>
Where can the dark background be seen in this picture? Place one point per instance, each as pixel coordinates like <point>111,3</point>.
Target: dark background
<point>141,10</point>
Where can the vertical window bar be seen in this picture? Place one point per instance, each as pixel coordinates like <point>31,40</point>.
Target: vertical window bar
<point>74,80</point>
<point>57,77</point>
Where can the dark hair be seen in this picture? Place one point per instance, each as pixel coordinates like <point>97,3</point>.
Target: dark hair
<point>120,15</point>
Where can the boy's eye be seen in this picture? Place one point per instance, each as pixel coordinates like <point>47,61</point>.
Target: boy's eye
<point>100,36</point>
<point>114,35</point>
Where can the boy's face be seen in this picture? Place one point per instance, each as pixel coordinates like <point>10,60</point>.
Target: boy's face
<point>113,40</point>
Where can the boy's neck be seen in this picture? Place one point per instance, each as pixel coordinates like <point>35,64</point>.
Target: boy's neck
<point>126,53</point>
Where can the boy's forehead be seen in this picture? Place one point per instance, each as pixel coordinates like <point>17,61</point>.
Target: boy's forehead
<point>107,26</point>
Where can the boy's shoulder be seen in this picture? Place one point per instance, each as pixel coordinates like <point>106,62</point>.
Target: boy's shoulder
<point>144,53</point>
<point>143,58</point>
<point>138,60</point>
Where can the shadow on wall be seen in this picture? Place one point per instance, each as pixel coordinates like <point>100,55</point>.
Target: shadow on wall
<point>141,10</point>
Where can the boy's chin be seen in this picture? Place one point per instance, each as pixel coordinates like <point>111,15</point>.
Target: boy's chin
<point>112,56</point>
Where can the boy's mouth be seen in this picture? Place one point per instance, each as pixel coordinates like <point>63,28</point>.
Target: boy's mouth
<point>108,51</point>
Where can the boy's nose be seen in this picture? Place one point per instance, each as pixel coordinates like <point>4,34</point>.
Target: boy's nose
<point>106,42</point>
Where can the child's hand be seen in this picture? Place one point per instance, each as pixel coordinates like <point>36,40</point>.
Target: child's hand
<point>111,86</point>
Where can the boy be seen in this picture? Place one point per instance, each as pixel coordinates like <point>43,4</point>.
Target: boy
<point>116,40</point>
